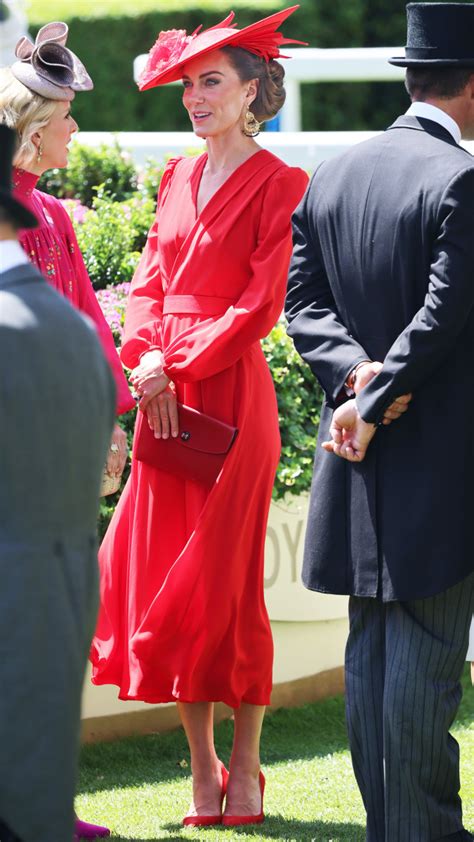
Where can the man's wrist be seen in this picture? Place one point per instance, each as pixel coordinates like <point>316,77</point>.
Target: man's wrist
<point>351,379</point>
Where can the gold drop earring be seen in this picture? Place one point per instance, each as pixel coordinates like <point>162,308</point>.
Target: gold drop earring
<point>40,153</point>
<point>251,126</point>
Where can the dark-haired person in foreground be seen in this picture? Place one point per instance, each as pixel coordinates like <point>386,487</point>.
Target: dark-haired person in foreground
<point>380,302</point>
<point>57,402</point>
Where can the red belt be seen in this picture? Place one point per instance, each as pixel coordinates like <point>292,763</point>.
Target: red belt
<point>203,305</point>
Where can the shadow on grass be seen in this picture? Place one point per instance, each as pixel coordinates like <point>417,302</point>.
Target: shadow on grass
<point>315,730</point>
<point>273,828</point>
<point>297,734</point>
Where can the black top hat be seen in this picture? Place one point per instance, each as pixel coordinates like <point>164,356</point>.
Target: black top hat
<point>17,212</point>
<point>438,35</point>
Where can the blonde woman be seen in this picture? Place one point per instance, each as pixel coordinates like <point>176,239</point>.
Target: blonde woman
<point>35,99</point>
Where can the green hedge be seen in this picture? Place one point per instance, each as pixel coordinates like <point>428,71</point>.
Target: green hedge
<point>108,46</point>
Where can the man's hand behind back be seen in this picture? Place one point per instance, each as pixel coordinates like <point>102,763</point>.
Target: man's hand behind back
<point>350,434</point>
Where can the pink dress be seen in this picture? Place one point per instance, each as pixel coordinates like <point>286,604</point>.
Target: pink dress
<point>52,247</point>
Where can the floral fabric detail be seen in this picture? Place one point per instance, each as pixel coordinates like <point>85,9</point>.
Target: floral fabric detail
<point>167,50</point>
<point>24,182</point>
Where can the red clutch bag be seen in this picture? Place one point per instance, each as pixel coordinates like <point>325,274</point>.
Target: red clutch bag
<point>199,451</point>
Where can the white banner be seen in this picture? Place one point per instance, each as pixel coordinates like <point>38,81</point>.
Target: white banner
<point>286,597</point>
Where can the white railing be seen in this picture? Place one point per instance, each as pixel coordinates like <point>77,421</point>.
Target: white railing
<point>298,149</point>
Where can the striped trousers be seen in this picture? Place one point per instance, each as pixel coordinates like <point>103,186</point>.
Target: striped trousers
<point>404,662</point>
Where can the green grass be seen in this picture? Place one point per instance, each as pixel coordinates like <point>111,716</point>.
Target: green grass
<point>42,11</point>
<point>141,787</point>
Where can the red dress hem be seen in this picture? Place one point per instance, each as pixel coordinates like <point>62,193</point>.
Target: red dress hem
<point>164,699</point>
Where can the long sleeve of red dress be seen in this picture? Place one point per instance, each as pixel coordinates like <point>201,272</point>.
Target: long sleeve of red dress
<point>147,302</point>
<point>53,248</point>
<point>146,294</point>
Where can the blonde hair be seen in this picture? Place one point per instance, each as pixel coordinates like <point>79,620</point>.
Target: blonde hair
<point>25,112</point>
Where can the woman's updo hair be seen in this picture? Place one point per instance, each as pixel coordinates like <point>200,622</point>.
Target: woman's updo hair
<point>25,112</point>
<point>271,93</point>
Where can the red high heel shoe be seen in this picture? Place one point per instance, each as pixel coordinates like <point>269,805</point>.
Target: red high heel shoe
<point>204,821</point>
<point>233,821</point>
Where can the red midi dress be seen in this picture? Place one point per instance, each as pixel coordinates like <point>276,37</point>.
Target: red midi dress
<point>182,613</point>
<point>52,247</point>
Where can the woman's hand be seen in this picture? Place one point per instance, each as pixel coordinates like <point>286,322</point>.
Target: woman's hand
<point>117,452</point>
<point>150,363</point>
<point>148,378</point>
<point>162,414</point>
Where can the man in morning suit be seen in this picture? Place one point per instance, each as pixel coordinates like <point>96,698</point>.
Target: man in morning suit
<point>380,302</point>
<point>56,416</point>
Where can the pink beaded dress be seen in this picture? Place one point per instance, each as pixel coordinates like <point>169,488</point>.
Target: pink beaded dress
<point>52,247</point>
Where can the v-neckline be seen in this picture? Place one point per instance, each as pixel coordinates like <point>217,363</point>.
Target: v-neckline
<point>197,176</point>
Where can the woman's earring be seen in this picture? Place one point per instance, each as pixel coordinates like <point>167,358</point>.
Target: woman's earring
<point>40,153</point>
<point>251,125</point>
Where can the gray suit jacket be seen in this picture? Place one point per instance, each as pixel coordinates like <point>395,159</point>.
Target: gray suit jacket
<point>56,416</point>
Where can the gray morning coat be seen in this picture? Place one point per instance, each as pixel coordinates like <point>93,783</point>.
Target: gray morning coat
<point>383,269</point>
<point>56,416</point>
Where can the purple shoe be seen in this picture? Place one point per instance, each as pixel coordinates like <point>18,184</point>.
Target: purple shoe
<point>85,830</point>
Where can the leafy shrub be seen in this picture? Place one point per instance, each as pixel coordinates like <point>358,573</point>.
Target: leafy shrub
<point>149,178</point>
<point>112,236</point>
<point>113,303</point>
<point>109,166</point>
<point>107,504</point>
<point>299,399</point>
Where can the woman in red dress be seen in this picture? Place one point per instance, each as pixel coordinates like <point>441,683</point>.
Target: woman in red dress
<point>183,615</point>
<point>35,100</point>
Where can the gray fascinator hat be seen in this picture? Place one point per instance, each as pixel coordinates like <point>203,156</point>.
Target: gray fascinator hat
<point>48,67</point>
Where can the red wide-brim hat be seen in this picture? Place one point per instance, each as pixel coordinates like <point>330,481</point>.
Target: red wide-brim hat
<point>174,48</point>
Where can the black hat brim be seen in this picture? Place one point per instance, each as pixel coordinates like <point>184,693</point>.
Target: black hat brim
<point>402,61</point>
<point>17,212</point>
